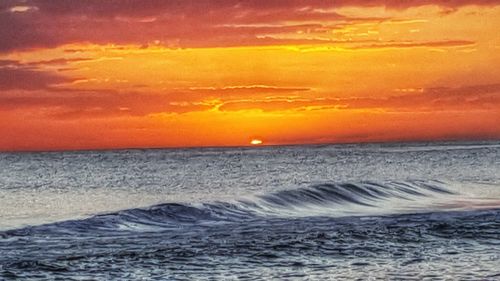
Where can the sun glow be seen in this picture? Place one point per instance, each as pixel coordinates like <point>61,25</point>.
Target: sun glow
<point>256,142</point>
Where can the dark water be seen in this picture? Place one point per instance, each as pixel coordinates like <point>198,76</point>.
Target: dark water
<point>399,212</point>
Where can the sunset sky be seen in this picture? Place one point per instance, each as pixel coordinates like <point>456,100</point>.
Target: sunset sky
<point>131,73</point>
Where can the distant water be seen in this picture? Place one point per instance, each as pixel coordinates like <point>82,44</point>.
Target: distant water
<point>362,211</point>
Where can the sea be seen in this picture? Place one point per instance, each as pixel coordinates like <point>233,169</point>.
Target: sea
<point>379,211</point>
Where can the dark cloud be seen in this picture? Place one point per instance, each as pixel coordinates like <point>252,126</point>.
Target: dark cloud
<point>31,24</point>
<point>14,75</point>
<point>113,8</point>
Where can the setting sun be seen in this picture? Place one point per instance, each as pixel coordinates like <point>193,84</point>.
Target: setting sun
<point>256,142</point>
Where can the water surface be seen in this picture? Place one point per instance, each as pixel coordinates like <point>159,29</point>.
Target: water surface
<point>380,211</point>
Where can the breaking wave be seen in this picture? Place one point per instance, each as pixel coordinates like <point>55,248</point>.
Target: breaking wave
<point>326,199</point>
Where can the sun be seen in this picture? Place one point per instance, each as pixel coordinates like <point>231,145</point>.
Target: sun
<point>256,142</point>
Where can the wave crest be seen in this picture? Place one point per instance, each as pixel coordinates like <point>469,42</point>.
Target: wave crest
<point>326,199</point>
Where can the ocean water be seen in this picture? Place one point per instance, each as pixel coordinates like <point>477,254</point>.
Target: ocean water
<point>400,211</point>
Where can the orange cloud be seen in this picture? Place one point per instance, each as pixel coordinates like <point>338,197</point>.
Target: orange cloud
<point>473,97</point>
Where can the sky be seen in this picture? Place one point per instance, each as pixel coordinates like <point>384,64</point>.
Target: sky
<point>120,74</point>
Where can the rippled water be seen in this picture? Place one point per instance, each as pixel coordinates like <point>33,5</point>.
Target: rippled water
<point>380,211</point>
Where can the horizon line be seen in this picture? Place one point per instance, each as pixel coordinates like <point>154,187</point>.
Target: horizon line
<point>250,146</point>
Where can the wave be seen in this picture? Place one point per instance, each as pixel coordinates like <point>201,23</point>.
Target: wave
<point>358,194</point>
<point>326,199</point>
<point>302,228</point>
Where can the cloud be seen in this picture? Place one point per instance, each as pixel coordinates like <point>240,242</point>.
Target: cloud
<point>57,61</point>
<point>70,103</point>
<point>96,103</point>
<point>144,8</point>
<point>254,91</point>
<point>32,24</point>
<point>14,75</point>
<point>478,97</point>
<point>177,24</point>
<point>75,104</point>
<point>432,44</point>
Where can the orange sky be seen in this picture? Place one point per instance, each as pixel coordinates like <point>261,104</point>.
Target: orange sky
<point>114,74</point>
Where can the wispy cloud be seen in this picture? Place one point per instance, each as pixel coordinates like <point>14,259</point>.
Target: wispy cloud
<point>478,97</point>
